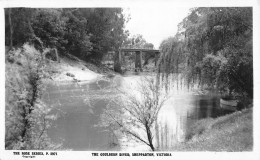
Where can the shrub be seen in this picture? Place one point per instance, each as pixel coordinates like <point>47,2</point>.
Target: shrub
<point>27,118</point>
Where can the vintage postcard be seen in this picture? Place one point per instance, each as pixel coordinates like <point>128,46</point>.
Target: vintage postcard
<point>129,79</point>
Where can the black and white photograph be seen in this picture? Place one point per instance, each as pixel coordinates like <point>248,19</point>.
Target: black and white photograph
<point>129,80</point>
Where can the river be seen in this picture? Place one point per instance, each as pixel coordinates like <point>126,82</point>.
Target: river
<point>80,105</point>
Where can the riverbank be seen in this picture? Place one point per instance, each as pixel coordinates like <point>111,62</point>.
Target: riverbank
<point>232,133</point>
<point>72,69</point>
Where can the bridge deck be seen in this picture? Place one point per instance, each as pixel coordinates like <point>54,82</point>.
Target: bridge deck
<point>134,50</point>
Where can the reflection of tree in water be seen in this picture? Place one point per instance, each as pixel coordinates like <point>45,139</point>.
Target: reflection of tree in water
<point>208,106</point>
<point>170,129</point>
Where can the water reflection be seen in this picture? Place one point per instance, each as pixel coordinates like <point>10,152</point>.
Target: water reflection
<point>180,113</point>
<point>80,107</point>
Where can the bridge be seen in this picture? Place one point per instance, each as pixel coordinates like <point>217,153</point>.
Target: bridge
<point>138,57</point>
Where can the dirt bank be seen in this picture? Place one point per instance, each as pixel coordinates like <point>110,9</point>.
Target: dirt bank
<point>72,69</point>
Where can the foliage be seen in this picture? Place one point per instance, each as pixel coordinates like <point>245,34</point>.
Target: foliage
<point>107,27</point>
<point>210,68</point>
<point>19,18</point>
<point>49,26</point>
<point>217,48</point>
<point>172,54</point>
<point>27,118</point>
<point>135,113</point>
<point>76,34</point>
<point>84,32</point>
<point>137,41</point>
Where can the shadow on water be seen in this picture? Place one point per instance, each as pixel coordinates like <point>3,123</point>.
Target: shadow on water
<point>208,107</point>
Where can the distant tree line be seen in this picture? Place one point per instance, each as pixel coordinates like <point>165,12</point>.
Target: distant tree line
<point>215,47</point>
<point>83,32</point>
<point>137,41</point>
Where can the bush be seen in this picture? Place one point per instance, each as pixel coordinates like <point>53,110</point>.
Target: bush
<point>27,118</point>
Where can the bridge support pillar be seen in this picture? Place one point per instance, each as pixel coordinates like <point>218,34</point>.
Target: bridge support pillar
<point>118,61</point>
<point>138,61</point>
<point>157,55</point>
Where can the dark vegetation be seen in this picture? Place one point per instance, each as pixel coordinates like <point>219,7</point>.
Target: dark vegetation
<point>213,47</point>
<point>86,33</point>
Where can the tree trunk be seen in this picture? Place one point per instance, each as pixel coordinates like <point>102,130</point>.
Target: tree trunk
<point>149,136</point>
<point>38,41</point>
<point>11,27</point>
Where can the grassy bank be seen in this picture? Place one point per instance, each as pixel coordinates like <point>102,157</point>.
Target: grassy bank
<point>231,133</point>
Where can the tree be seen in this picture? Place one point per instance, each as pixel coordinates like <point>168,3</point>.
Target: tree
<point>148,46</point>
<point>11,27</point>
<point>136,41</point>
<point>76,33</point>
<point>172,55</point>
<point>106,26</point>
<point>216,40</point>
<point>16,23</point>
<point>135,114</point>
<point>49,26</point>
<point>85,32</point>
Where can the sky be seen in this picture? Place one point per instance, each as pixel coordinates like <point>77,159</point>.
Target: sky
<point>155,23</point>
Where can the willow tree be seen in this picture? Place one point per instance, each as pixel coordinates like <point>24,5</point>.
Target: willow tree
<point>217,49</point>
<point>172,58</point>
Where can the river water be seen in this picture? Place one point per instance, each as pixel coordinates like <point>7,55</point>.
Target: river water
<point>80,105</point>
